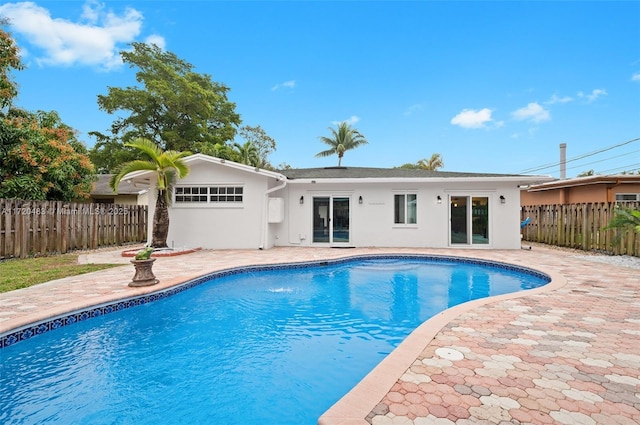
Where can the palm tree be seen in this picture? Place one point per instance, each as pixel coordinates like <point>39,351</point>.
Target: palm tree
<point>432,164</point>
<point>624,218</point>
<point>167,165</point>
<point>247,154</point>
<point>346,138</point>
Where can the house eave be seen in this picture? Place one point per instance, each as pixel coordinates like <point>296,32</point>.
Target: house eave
<point>586,181</point>
<point>519,180</point>
<point>146,175</point>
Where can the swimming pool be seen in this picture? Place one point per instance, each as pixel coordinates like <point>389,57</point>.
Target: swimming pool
<point>265,345</point>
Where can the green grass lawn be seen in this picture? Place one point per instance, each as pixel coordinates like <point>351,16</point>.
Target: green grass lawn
<point>21,273</point>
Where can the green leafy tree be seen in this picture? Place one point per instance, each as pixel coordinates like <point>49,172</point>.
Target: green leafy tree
<point>108,154</point>
<point>40,156</point>
<point>9,61</point>
<point>343,139</point>
<point>222,151</point>
<point>263,143</point>
<point>173,106</point>
<point>167,165</point>
<point>247,154</point>
<point>587,173</point>
<point>43,160</point>
<point>432,164</point>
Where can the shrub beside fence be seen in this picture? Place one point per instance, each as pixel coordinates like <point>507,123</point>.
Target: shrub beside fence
<point>580,226</point>
<point>30,228</point>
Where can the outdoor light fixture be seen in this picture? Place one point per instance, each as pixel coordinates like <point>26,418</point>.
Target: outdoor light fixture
<point>360,200</point>
<point>439,199</point>
<point>502,199</point>
<point>302,200</point>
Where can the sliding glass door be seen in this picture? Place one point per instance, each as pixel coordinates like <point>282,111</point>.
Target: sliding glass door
<point>331,219</point>
<point>469,218</point>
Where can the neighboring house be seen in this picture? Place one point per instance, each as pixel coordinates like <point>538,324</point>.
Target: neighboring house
<point>129,192</point>
<point>590,189</point>
<point>226,205</point>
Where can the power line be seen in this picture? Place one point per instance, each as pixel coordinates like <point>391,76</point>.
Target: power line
<point>602,160</point>
<point>630,168</point>
<point>586,155</point>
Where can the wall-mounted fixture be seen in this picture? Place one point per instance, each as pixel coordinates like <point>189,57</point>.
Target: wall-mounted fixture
<point>360,199</point>
<point>439,199</point>
<point>502,199</point>
<point>302,200</point>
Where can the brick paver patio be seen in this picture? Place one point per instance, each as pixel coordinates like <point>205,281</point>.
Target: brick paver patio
<point>566,354</point>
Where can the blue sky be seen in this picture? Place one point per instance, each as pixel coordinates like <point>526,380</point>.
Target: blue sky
<point>491,86</point>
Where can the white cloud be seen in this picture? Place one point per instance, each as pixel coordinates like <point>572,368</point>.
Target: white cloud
<point>533,112</point>
<point>635,77</point>
<point>351,120</point>
<point>595,94</point>
<point>288,84</point>
<point>157,40</point>
<point>557,99</point>
<point>412,109</point>
<point>95,41</point>
<point>470,118</point>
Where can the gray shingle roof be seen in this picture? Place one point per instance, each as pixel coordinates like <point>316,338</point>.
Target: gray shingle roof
<point>101,187</point>
<point>364,172</point>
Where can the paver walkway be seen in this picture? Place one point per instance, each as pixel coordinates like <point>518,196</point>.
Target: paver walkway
<point>569,355</point>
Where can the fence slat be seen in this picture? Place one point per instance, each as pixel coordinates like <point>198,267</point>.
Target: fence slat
<point>45,227</point>
<point>579,226</point>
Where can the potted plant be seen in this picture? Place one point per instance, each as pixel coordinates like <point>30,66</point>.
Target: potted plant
<point>143,263</point>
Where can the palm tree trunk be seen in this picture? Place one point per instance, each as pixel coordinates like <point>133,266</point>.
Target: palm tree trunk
<point>160,222</point>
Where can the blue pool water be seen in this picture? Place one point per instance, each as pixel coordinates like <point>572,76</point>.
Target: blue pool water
<point>264,347</point>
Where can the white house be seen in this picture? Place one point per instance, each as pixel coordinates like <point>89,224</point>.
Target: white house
<point>225,205</point>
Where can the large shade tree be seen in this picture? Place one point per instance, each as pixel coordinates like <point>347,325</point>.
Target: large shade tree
<point>9,61</point>
<point>254,151</point>
<point>263,143</point>
<point>40,156</point>
<point>172,106</point>
<point>167,166</point>
<point>342,139</point>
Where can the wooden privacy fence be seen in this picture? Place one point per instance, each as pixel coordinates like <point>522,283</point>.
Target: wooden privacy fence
<point>580,226</point>
<point>29,228</point>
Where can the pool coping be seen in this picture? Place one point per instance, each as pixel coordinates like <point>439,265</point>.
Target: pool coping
<point>56,319</point>
<point>365,396</point>
<point>361,400</point>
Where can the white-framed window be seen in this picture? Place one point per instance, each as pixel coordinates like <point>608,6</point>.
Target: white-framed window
<point>225,193</point>
<point>209,194</point>
<point>627,197</point>
<point>405,208</point>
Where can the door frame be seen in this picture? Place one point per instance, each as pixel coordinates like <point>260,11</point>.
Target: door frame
<point>468,223</point>
<point>330,217</point>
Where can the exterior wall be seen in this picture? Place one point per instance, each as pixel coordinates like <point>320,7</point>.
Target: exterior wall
<point>578,194</point>
<point>221,226</point>
<point>584,194</point>
<point>372,224</point>
<point>547,197</point>
<point>625,188</point>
